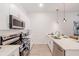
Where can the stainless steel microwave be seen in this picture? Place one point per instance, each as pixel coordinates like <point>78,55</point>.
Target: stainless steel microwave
<point>15,23</point>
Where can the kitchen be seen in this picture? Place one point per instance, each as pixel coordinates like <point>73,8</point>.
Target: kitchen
<point>25,27</point>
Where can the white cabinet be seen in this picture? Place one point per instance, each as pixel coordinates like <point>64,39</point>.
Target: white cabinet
<point>63,46</point>
<point>50,45</point>
<point>57,50</point>
<point>14,53</point>
<point>9,50</point>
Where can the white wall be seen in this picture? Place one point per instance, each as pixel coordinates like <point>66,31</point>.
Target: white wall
<point>41,24</point>
<point>6,9</point>
<point>44,23</point>
<point>4,12</point>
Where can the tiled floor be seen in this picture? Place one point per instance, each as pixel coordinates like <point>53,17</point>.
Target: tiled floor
<point>40,50</point>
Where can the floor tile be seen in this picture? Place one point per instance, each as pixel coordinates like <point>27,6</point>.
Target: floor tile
<point>40,50</point>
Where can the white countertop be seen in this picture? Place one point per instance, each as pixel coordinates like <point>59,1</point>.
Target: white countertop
<point>5,50</point>
<point>66,43</point>
<point>9,32</point>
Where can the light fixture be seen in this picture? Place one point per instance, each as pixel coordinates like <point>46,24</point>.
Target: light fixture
<point>12,5</point>
<point>40,5</point>
<point>64,19</point>
<point>57,15</point>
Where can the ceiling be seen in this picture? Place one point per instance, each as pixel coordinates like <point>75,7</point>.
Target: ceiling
<point>50,7</point>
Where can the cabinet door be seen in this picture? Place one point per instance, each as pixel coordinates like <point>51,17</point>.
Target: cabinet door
<point>14,53</point>
<point>57,50</point>
<point>50,45</point>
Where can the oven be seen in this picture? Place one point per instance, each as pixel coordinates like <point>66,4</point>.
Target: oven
<point>10,39</point>
<point>17,39</point>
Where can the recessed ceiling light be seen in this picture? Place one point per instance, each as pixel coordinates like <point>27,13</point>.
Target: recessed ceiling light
<point>41,5</point>
<point>12,5</point>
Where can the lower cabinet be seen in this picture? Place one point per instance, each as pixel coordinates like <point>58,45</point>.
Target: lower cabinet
<point>14,53</point>
<point>50,45</point>
<point>57,50</point>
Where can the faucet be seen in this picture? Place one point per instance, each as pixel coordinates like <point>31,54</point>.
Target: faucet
<point>57,33</point>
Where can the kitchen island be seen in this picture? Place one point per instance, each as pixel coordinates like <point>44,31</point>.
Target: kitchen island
<point>9,50</point>
<point>63,46</point>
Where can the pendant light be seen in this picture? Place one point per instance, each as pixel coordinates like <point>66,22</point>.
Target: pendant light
<point>57,15</point>
<point>64,19</point>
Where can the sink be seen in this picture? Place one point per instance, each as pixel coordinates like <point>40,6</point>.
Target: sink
<point>55,37</point>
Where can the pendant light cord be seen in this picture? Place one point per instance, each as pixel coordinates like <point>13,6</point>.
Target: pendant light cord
<point>64,10</point>
<point>64,14</point>
<point>57,14</point>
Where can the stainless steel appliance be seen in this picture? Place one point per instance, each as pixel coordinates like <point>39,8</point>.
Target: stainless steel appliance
<point>9,39</point>
<point>17,39</point>
<point>26,43</point>
<point>15,23</point>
